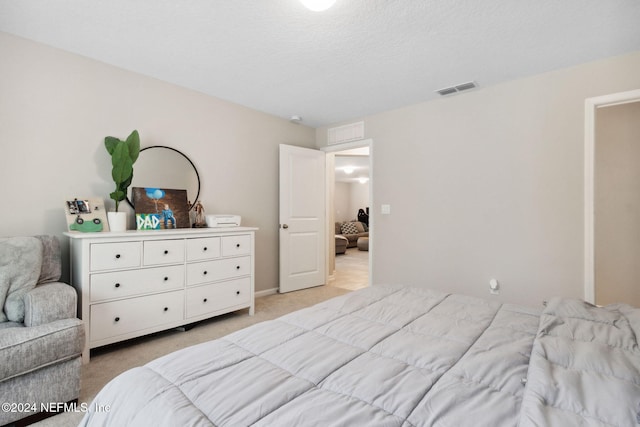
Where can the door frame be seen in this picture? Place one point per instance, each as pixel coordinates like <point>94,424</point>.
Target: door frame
<point>591,106</point>
<point>331,150</point>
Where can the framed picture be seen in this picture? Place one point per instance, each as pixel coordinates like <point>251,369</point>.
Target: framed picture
<point>86,215</point>
<point>160,208</point>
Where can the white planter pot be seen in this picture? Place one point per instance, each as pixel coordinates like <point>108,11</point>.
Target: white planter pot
<point>117,221</point>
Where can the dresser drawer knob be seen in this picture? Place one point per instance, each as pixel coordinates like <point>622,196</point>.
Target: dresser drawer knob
<point>166,278</point>
<point>117,285</point>
<point>204,300</point>
<point>117,256</point>
<point>166,309</point>
<point>237,292</point>
<point>166,252</point>
<point>204,249</point>
<point>204,272</point>
<point>237,267</point>
<point>237,245</point>
<point>117,319</point>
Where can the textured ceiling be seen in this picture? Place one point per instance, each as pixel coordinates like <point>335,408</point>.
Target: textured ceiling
<point>358,58</point>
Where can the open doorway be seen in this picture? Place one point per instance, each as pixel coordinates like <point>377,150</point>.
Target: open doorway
<point>617,204</point>
<point>609,197</point>
<point>348,211</point>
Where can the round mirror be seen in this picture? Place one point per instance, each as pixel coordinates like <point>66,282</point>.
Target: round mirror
<point>165,167</point>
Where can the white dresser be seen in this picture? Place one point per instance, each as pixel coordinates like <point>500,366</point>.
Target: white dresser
<point>139,282</point>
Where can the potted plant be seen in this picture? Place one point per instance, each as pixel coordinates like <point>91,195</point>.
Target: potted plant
<point>123,155</point>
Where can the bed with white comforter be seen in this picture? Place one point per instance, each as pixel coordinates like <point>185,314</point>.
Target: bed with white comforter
<point>396,356</point>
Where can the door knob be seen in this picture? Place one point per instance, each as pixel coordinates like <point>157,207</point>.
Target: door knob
<point>285,226</point>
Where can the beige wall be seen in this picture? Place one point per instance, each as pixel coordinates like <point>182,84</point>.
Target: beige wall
<point>342,201</point>
<point>359,198</point>
<point>492,187</point>
<point>489,184</point>
<point>349,197</point>
<point>56,108</point>
<point>617,204</point>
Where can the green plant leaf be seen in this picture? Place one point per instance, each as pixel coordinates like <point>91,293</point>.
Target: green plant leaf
<point>133,142</point>
<point>110,143</point>
<point>117,195</point>
<point>126,183</point>
<point>122,164</point>
<point>123,156</point>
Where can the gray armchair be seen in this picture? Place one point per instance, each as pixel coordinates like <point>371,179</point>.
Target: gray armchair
<point>41,338</point>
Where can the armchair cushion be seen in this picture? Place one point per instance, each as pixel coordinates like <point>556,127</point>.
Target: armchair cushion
<point>20,263</point>
<point>25,350</point>
<point>48,303</point>
<point>51,265</point>
<point>360,226</point>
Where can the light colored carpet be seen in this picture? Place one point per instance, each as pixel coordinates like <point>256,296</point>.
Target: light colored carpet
<point>352,270</point>
<point>108,362</point>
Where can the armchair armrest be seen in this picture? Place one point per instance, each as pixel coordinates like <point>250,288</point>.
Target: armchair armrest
<point>49,302</point>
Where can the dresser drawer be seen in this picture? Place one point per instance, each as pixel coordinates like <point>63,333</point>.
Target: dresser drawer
<point>157,252</point>
<point>111,319</point>
<point>236,245</point>
<point>209,271</point>
<point>218,296</point>
<point>204,248</point>
<point>119,284</point>
<point>109,256</point>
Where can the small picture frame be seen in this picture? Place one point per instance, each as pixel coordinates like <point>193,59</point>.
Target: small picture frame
<point>160,208</point>
<point>86,215</point>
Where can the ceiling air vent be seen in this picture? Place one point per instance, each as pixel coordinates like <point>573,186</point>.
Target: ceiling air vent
<point>457,88</point>
<point>447,91</point>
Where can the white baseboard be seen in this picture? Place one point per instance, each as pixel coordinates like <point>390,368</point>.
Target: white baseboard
<point>266,292</point>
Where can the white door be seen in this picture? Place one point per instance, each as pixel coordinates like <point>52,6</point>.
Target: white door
<point>302,218</point>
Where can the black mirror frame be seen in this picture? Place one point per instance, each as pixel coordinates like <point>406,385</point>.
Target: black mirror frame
<point>190,162</point>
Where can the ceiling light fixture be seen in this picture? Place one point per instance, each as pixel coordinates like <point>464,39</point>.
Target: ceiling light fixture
<point>363,180</point>
<point>348,170</point>
<point>318,5</point>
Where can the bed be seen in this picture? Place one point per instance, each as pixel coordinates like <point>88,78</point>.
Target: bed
<point>396,356</point>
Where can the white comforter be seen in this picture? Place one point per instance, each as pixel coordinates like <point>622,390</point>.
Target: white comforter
<point>395,356</point>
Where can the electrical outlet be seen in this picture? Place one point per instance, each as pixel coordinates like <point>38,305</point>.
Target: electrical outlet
<point>494,287</point>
